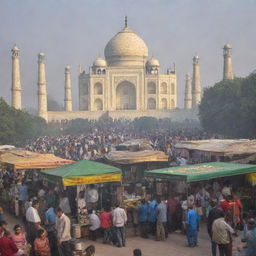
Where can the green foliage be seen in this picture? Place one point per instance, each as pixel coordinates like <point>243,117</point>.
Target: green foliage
<point>145,124</point>
<point>78,126</point>
<point>228,108</point>
<point>17,126</point>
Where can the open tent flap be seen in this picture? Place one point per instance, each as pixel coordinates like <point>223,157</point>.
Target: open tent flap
<point>205,171</point>
<point>83,172</point>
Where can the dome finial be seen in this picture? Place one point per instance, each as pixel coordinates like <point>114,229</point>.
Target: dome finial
<point>125,22</point>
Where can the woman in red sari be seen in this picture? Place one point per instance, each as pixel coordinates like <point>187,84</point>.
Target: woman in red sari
<point>20,240</point>
<point>41,244</point>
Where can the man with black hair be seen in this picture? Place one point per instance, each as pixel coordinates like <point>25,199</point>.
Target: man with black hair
<point>161,228</point>
<point>33,222</point>
<point>214,214</point>
<point>63,227</point>
<point>143,218</point>
<point>221,234</point>
<point>137,252</point>
<point>94,224</point>
<point>50,223</point>
<point>119,221</point>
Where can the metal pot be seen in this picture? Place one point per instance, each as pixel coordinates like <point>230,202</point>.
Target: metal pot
<point>78,246</point>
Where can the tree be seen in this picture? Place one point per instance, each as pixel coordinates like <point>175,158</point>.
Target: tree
<point>18,126</point>
<point>78,126</point>
<point>145,124</point>
<point>228,108</point>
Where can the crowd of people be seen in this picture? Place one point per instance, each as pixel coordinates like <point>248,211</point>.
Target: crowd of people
<point>48,211</point>
<point>95,144</point>
<point>217,204</point>
<point>48,230</point>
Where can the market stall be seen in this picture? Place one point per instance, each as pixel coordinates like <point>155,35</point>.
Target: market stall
<point>79,177</point>
<point>135,160</point>
<point>134,164</point>
<point>18,166</point>
<point>23,159</point>
<point>204,171</point>
<point>166,178</point>
<point>80,174</point>
<point>197,151</point>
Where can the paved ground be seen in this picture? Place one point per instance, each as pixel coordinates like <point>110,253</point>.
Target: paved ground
<point>175,245</point>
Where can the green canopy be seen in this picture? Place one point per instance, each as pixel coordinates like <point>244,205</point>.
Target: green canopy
<point>83,172</point>
<point>205,171</point>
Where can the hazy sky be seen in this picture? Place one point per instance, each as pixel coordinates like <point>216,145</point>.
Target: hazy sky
<point>73,32</point>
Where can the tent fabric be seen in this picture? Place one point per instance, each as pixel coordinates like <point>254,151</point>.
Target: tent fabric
<point>130,157</point>
<point>205,171</point>
<point>222,147</point>
<point>83,172</point>
<point>22,159</point>
<point>140,144</point>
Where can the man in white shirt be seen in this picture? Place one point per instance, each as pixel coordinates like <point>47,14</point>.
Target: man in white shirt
<point>221,234</point>
<point>63,227</point>
<point>92,197</point>
<point>119,221</point>
<point>94,224</point>
<point>33,222</point>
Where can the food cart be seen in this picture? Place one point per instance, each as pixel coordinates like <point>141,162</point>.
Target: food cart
<point>80,174</point>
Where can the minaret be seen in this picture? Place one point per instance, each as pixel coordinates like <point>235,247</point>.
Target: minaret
<point>227,67</point>
<point>196,83</point>
<point>68,92</point>
<point>42,94</point>
<point>16,87</point>
<point>188,93</point>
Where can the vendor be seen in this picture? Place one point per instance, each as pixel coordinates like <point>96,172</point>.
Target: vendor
<point>81,204</point>
<point>92,197</point>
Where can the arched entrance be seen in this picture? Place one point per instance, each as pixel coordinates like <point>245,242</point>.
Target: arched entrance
<point>163,103</point>
<point>125,96</point>
<point>151,103</point>
<point>98,105</point>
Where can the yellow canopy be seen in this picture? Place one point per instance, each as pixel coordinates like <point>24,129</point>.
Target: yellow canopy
<point>251,177</point>
<point>22,159</point>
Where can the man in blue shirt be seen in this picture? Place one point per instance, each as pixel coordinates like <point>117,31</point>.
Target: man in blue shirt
<point>23,197</point>
<point>152,215</point>
<point>192,223</point>
<point>143,218</point>
<point>50,223</point>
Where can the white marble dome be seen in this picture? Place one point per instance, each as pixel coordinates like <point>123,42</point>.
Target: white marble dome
<point>126,48</point>
<point>99,62</point>
<point>153,62</point>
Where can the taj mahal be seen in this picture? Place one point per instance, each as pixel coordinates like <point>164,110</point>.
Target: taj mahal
<point>125,84</point>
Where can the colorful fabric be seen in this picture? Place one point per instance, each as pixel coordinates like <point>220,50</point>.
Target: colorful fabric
<point>192,219</point>
<point>152,208</point>
<point>50,218</point>
<point>20,241</point>
<point>105,219</point>
<point>7,247</point>
<point>42,247</point>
